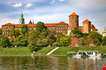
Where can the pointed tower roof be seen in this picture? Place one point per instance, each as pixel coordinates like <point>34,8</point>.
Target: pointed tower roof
<point>22,20</point>
<point>86,20</point>
<point>74,13</point>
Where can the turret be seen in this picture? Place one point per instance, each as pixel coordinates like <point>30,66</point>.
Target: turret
<point>73,21</point>
<point>22,20</point>
<point>86,26</point>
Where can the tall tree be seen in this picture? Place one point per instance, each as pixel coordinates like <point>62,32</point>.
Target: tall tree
<point>38,39</point>
<point>40,27</point>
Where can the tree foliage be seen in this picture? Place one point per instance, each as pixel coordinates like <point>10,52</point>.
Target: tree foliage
<point>24,29</point>
<point>104,41</point>
<point>76,32</point>
<point>91,39</point>
<point>4,42</point>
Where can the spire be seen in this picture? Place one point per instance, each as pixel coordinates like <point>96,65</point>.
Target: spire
<point>30,22</point>
<point>22,20</point>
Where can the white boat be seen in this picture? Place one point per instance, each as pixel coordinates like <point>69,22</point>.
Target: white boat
<point>87,54</point>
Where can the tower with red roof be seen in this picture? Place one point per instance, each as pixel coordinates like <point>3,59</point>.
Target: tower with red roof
<point>73,21</point>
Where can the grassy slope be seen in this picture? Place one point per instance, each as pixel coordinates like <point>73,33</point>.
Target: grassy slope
<point>66,50</point>
<point>44,51</point>
<point>15,52</point>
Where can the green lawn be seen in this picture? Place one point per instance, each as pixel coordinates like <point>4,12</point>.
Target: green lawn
<point>15,51</point>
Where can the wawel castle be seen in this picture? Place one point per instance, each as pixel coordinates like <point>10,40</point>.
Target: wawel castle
<point>59,27</point>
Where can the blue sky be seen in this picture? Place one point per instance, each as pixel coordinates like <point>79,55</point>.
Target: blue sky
<point>53,11</point>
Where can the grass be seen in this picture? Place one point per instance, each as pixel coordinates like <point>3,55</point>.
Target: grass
<point>15,51</point>
<point>44,51</point>
<point>66,50</point>
<point>62,51</point>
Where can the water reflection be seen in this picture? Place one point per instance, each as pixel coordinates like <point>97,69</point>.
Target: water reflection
<point>49,63</point>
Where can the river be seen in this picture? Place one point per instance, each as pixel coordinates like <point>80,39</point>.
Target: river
<point>49,63</point>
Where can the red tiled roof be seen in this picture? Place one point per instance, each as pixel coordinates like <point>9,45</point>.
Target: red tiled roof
<point>86,20</point>
<point>31,25</point>
<point>74,14</point>
<point>34,25</point>
<point>53,24</point>
<point>93,27</point>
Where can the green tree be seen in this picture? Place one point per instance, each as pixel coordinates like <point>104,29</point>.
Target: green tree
<point>51,38</point>
<point>76,32</point>
<point>24,29</point>
<point>40,27</point>
<point>64,41</point>
<point>4,42</point>
<point>32,39</point>
<point>0,31</point>
<point>104,41</point>
<point>21,41</point>
<point>91,39</point>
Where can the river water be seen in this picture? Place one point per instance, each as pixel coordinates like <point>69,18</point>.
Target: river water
<point>49,63</point>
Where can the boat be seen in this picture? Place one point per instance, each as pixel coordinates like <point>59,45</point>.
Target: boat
<point>88,54</point>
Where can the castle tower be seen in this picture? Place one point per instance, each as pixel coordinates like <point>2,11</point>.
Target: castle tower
<point>22,20</point>
<point>73,21</point>
<point>86,26</point>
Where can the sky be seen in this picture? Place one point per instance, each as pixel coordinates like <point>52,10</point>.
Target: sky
<point>50,11</point>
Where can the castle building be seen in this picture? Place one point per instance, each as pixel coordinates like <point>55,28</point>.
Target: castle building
<point>58,27</point>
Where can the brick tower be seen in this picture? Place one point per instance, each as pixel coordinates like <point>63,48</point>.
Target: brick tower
<point>86,26</point>
<point>73,21</point>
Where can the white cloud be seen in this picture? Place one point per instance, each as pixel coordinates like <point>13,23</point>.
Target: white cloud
<point>17,5</point>
<point>28,5</point>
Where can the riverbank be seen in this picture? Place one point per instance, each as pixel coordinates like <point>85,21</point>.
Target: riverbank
<point>61,51</point>
<point>15,51</point>
<point>64,51</point>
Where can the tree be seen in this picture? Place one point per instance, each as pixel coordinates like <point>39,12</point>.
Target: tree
<point>38,39</point>
<point>40,27</point>
<point>51,38</point>
<point>76,32</point>
<point>21,41</point>
<point>64,41</point>
<point>104,41</point>
<point>4,42</point>
<point>91,39</point>
<point>0,31</point>
<point>32,39</point>
<point>24,29</point>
